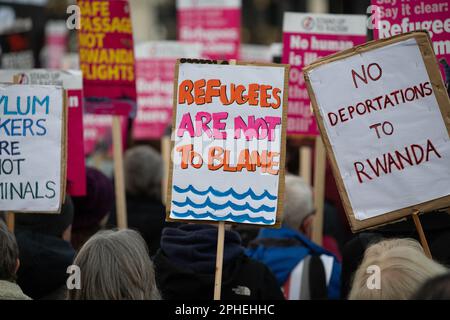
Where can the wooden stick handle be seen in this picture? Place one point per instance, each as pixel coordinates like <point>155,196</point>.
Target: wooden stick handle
<point>319,191</point>
<point>10,221</point>
<point>423,239</point>
<point>121,205</point>
<point>305,164</point>
<point>219,260</point>
<point>220,246</point>
<point>165,152</point>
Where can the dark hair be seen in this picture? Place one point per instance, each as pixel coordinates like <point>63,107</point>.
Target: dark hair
<point>9,253</point>
<point>437,288</point>
<point>44,223</point>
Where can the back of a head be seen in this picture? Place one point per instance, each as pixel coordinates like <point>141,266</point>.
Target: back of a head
<point>298,202</point>
<point>48,224</point>
<point>143,172</point>
<point>403,268</point>
<point>9,254</point>
<point>97,203</point>
<point>115,265</point>
<point>437,288</point>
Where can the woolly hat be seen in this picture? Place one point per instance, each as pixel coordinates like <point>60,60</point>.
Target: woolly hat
<point>96,204</point>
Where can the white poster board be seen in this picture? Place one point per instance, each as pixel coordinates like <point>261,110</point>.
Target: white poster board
<point>384,126</point>
<point>32,135</point>
<point>228,148</point>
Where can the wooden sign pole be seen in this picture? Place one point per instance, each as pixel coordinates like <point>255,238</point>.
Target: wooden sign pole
<point>10,219</point>
<point>305,164</point>
<point>219,260</point>
<point>423,239</point>
<point>165,152</point>
<point>220,247</point>
<point>319,191</point>
<point>121,205</point>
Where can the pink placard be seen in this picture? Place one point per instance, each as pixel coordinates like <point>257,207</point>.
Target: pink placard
<point>56,34</point>
<point>215,23</point>
<point>155,97</point>
<point>307,37</point>
<point>394,17</point>
<point>106,57</point>
<point>98,133</point>
<point>155,69</point>
<point>76,169</point>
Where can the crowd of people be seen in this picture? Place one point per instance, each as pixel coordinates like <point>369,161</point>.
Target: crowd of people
<point>154,259</point>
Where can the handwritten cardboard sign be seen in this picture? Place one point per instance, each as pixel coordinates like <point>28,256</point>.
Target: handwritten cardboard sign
<point>32,148</point>
<point>306,38</point>
<point>105,43</point>
<point>383,114</point>
<point>228,143</point>
<point>155,69</point>
<point>72,82</point>
<point>214,23</point>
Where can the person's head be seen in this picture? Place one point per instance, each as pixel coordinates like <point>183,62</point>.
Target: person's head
<point>437,288</point>
<point>115,265</point>
<point>298,205</point>
<point>9,253</point>
<point>58,225</point>
<point>402,268</point>
<point>93,209</point>
<point>143,172</point>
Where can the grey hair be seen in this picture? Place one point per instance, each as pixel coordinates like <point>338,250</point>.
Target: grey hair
<point>9,253</point>
<point>143,171</point>
<point>115,265</point>
<point>298,202</point>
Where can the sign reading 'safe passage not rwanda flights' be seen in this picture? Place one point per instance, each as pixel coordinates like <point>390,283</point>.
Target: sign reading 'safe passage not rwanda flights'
<point>32,148</point>
<point>229,143</point>
<point>383,113</point>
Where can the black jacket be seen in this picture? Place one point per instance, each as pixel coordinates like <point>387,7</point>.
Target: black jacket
<point>185,267</point>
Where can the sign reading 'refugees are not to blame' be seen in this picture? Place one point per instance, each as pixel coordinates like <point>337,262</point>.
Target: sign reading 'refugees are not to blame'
<point>32,144</point>
<point>381,110</point>
<point>229,143</point>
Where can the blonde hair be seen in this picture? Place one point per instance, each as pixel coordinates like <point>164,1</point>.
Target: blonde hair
<point>115,265</point>
<point>403,269</point>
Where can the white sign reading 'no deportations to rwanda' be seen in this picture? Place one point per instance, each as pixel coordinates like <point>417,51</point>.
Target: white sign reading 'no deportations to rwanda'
<point>31,148</point>
<point>383,121</point>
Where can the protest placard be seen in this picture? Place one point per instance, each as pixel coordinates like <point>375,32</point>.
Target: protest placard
<point>214,23</point>
<point>72,82</point>
<point>32,148</point>
<point>98,134</point>
<point>383,114</point>
<point>307,37</point>
<point>228,143</point>
<point>155,69</point>
<point>391,18</point>
<point>105,43</point>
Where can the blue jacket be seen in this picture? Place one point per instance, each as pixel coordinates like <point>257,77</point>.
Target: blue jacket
<point>281,260</point>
